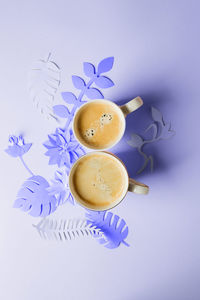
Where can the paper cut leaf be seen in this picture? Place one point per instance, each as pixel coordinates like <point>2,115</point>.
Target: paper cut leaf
<point>93,93</point>
<point>44,82</point>
<point>61,111</point>
<point>65,230</point>
<point>103,82</point>
<point>105,65</point>
<point>136,141</point>
<point>17,146</point>
<point>114,229</point>
<point>34,198</point>
<point>155,130</point>
<point>69,97</point>
<point>156,115</point>
<point>89,69</point>
<point>78,82</point>
<point>60,188</point>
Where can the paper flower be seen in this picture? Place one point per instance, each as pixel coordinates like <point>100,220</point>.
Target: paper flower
<point>63,149</point>
<point>17,146</point>
<point>60,188</point>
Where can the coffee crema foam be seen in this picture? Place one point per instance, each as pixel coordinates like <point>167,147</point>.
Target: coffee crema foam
<point>99,180</point>
<point>99,125</point>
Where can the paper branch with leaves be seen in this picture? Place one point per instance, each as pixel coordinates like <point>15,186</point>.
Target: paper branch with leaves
<point>161,131</point>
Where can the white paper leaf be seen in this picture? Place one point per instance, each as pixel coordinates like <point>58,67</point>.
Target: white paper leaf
<point>66,230</point>
<point>44,81</point>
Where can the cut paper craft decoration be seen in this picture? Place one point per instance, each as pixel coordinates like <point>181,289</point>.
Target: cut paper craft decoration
<point>17,148</point>
<point>60,188</point>
<point>161,131</point>
<point>65,230</point>
<point>85,88</point>
<point>36,196</point>
<point>44,82</point>
<point>33,197</point>
<point>63,148</point>
<point>114,229</point>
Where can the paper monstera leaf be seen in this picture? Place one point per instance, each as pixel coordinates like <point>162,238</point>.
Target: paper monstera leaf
<point>34,198</point>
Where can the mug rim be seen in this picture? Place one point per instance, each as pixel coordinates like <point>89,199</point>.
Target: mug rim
<point>81,202</point>
<point>120,136</point>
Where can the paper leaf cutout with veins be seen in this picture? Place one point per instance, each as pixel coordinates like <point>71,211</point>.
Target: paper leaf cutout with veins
<point>103,82</point>
<point>65,230</point>
<point>78,82</point>
<point>43,85</point>
<point>33,197</point>
<point>114,229</point>
<point>93,93</point>
<point>61,111</point>
<point>60,188</point>
<point>135,141</point>
<point>105,65</point>
<point>89,69</point>
<point>17,146</point>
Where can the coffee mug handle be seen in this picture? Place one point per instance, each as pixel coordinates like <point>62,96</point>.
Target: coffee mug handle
<point>137,187</point>
<point>131,105</point>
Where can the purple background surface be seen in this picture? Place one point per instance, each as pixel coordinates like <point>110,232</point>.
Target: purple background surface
<point>156,50</point>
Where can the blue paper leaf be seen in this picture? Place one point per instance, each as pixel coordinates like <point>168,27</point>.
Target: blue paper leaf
<point>61,111</point>
<point>136,141</point>
<point>105,65</point>
<point>156,115</point>
<point>78,82</point>
<point>69,97</point>
<point>93,93</point>
<point>103,82</point>
<point>89,69</point>
<point>114,229</point>
<point>33,197</point>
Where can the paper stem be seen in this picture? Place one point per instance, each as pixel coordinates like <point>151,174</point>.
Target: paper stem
<point>125,243</point>
<point>25,165</point>
<point>90,82</point>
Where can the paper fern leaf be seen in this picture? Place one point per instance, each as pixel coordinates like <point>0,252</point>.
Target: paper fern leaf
<point>66,230</point>
<point>43,85</point>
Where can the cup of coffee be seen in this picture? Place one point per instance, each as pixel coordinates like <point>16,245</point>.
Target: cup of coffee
<point>100,124</point>
<point>99,181</point>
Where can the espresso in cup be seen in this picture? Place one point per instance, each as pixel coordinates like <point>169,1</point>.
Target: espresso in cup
<point>100,124</point>
<point>99,181</point>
